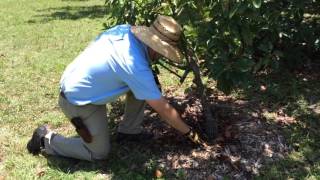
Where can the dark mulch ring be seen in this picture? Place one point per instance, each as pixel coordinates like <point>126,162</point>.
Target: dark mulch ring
<point>246,141</point>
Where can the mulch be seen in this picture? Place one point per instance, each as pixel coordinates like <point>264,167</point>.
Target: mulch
<point>246,141</point>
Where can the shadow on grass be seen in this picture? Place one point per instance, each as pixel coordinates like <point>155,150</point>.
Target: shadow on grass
<point>168,151</point>
<point>69,13</point>
<point>303,136</point>
<point>128,160</point>
<point>294,99</point>
<point>295,114</point>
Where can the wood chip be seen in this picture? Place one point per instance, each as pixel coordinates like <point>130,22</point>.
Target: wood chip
<point>158,173</point>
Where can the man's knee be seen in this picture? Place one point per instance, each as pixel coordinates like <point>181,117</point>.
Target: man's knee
<point>101,155</point>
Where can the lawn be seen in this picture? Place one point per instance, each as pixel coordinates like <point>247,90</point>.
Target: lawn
<point>39,38</point>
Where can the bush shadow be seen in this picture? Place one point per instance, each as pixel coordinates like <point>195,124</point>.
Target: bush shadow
<point>291,101</point>
<point>245,130</point>
<point>129,160</point>
<point>167,151</point>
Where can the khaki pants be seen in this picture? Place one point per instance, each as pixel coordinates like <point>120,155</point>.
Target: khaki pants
<point>94,117</point>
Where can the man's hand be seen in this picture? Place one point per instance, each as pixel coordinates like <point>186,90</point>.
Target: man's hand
<point>194,137</point>
<point>169,114</point>
<point>172,117</point>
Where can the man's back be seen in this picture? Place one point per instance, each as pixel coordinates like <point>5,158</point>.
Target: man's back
<point>110,66</point>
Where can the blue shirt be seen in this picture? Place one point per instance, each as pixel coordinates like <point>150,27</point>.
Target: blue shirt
<point>114,63</point>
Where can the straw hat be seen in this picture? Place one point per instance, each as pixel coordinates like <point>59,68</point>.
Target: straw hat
<point>162,36</point>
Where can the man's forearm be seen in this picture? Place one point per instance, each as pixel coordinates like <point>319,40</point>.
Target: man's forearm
<point>172,117</point>
<point>169,114</point>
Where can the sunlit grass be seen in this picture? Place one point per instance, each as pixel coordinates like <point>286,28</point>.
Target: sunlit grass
<point>38,39</point>
<point>35,47</point>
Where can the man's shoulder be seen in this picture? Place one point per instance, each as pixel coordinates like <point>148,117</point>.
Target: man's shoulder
<point>123,33</point>
<point>118,31</point>
<point>120,28</point>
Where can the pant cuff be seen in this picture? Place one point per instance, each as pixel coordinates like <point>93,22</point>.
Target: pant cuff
<point>47,143</point>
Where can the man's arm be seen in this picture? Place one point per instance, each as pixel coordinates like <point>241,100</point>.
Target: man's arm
<point>169,114</point>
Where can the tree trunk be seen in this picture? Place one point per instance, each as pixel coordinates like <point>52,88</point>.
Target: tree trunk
<point>210,121</point>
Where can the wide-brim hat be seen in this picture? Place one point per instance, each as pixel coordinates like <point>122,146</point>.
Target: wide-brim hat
<point>162,36</point>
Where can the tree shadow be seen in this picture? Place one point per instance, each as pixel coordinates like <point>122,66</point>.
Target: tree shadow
<point>250,144</point>
<point>290,101</point>
<point>169,151</point>
<point>69,13</point>
<point>128,160</point>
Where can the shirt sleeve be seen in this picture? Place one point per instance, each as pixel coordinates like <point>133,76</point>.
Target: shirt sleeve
<point>142,84</point>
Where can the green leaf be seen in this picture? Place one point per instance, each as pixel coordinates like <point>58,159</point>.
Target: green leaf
<point>243,65</point>
<point>278,53</point>
<point>239,78</point>
<point>234,10</point>
<point>256,3</point>
<point>243,7</point>
<point>225,5</point>
<point>247,35</point>
<point>224,84</point>
<point>190,31</point>
<point>258,66</point>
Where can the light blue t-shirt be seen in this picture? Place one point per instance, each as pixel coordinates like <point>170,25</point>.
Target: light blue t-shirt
<point>113,64</point>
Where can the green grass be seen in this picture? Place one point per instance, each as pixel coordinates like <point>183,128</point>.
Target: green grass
<point>39,38</point>
<point>298,97</point>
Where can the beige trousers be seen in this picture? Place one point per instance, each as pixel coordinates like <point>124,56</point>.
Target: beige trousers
<point>94,117</point>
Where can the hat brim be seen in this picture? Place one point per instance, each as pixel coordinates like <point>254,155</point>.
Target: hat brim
<point>169,51</point>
